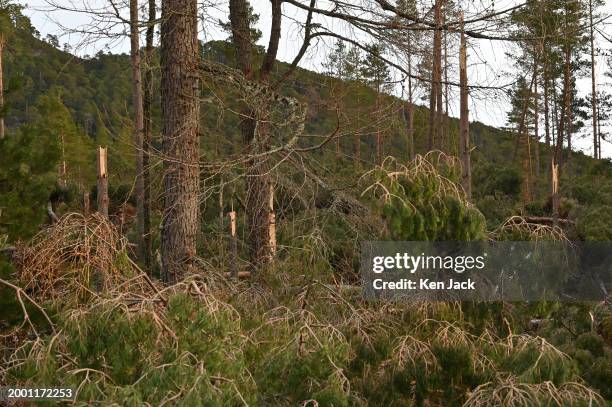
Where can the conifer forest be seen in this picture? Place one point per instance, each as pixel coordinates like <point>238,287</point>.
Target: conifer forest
<point>187,188</point>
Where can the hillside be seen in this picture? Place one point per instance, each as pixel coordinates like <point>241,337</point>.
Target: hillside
<point>249,283</point>
<point>96,91</point>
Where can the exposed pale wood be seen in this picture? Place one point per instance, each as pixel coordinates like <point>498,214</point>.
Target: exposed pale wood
<point>102,182</point>
<point>272,222</point>
<point>233,252</point>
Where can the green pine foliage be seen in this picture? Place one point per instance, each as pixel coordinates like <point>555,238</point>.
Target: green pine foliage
<point>28,175</point>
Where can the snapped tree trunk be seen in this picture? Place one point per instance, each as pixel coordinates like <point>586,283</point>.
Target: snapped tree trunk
<point>138,124</point>
<point>180,146</point>
<point>254,129</point>
<point>102,191</point>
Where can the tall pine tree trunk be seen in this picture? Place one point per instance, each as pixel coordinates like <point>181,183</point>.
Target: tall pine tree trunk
<point>1,88</point>
<point>464,121</point>
<point>565,108</point>
<point>255,131</point>
<point>180,147</point>
<point>148,137</point>
<point>138,124</point>
<point>536,134</point>
<point>438,55</point>
<point>435,96</point>
<point>378,133</point>
<point>546,107</point>
<point>410,111</point>
<point>593,84</point>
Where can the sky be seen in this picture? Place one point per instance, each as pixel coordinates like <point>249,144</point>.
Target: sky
<point>489,63</point>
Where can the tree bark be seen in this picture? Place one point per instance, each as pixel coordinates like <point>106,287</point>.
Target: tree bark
<point>593,84</point>
<point>536,132</point>
<point>464,122</point>
<point>445,131</point>
<point>102,192</point>
<point>438,75</point>
<point>180,147</point>
<point>435,96</point>
<point>546,106</point>
<point>410,107</point>
<point>565,119</point>
<point>138,124</point>
<point>565,108</point>
<point>357,142</point>
<point>1,88</point>
<point>255,132</point>
<point>147,138</point>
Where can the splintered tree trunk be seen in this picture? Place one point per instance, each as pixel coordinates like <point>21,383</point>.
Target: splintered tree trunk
<point>1,88</point>
<point>233,261</point>
<point>593,85</point>
<point>464,122</point>
<point>147,138</point>
<point>180,147</point>
<point>137,125</point>
<point>102,193</point>
<point>255,132</point>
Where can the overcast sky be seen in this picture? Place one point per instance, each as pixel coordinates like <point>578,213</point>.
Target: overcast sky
<point>489,64</point>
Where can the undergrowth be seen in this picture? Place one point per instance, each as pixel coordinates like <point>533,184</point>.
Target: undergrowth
<point>297,333</point>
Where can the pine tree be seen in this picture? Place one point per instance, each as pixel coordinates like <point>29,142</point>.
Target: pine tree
<point>180,113</point>
<point>334,64</point>
<point>8,13</point>
<point>376,74</point>
<point>76,164</point>
<point>27,177</point>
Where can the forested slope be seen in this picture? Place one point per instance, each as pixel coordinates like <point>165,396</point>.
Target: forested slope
<point>298,332</point>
